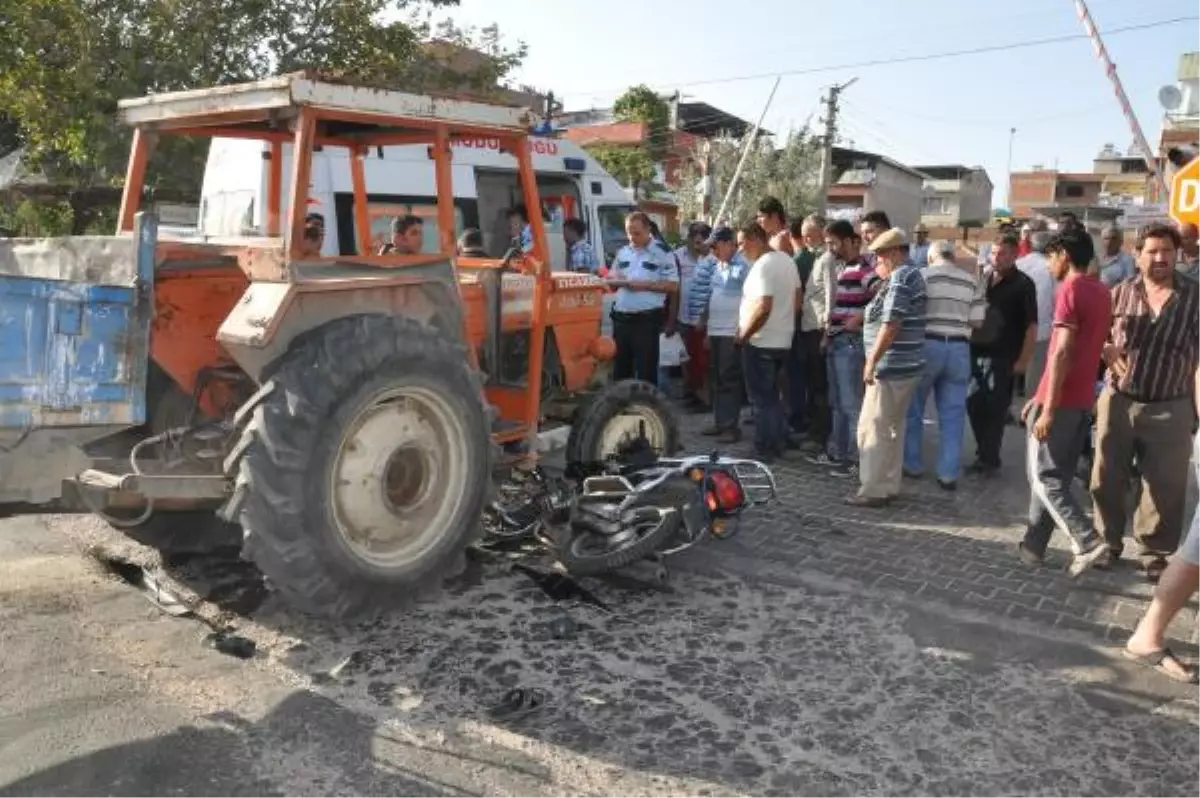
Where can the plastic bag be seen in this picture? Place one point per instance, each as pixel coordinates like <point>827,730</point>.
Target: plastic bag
<point>671,351</point>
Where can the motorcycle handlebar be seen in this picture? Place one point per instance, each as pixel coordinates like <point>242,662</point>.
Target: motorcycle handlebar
<point>755,477</point>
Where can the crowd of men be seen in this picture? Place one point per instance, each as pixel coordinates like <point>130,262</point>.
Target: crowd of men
<point>836,337</point>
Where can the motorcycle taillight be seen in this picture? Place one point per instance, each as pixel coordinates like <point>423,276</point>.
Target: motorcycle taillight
<point>725,493</point>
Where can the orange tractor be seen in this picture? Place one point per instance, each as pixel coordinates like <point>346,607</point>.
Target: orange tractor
<point>348,412</point>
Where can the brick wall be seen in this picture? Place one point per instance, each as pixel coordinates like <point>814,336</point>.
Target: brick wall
<point>1029,189</point>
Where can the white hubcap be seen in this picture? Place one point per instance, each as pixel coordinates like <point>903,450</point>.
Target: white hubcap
<point>398,476</point>
<point>631,424</point>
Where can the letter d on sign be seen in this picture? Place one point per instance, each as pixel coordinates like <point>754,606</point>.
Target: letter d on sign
<point>1185,194</point>
<point>1189,197</point>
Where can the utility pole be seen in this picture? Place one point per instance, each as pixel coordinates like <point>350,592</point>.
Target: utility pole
<point>831,112</point>
<point>1012,134</point>
<point>706,180</point>
<point>751,141</point>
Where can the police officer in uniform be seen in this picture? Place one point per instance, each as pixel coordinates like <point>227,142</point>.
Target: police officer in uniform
<point>645,276</point>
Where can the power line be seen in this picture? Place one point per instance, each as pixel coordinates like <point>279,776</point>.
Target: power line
<point>1024,122</point>
<point>908,59</point>
<point>879,132</point>
<point>951,30</point>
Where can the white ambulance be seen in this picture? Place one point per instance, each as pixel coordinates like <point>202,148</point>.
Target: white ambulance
<point>400,181</point>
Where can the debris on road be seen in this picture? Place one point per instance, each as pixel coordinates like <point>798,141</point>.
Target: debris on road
<point>147,584</point>
<point>353,661</point>
<point>155,591</point>
<point>559,586</point>
<point>519,702</point>
<point>232,644</point>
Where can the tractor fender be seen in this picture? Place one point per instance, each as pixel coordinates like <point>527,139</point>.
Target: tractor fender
<point>270,315</point>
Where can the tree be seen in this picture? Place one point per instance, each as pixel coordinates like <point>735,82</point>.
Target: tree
<point>65,63</point>
<point>790,172</point>
<point>631,166</point>
<point>641,104</point>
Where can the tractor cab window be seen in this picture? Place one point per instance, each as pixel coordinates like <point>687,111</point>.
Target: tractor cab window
<point>382,214</point>
<point>499,191</point>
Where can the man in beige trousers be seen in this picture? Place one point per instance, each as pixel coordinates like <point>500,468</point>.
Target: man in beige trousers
<point>894,343</point>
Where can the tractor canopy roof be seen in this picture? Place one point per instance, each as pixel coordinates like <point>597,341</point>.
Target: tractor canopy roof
<point>352,113</point>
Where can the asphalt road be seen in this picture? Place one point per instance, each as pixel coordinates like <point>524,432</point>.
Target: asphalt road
<point>820,652</point>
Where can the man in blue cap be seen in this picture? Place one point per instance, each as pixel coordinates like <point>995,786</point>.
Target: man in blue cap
<point>719,320</point>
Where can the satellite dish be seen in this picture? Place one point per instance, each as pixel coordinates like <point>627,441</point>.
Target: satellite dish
<point>1170,98</point>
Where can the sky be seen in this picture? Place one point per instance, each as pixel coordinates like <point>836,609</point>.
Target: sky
<point>957,109</point>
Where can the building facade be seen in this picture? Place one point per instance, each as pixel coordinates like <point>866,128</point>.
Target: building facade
<point>1118,181</point>
<point>1181,125</point>
<point>955,196</point>
<point>689,124</point>
<point>865,181</point>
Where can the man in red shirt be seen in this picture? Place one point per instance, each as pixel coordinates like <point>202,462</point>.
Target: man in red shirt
<point>1058,417</point>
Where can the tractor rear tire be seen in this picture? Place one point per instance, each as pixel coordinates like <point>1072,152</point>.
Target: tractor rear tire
<point>365,470</point>
<point>607,422</point>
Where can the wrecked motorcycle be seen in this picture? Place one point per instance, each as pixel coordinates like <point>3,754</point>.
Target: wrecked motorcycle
<point>656,510</point>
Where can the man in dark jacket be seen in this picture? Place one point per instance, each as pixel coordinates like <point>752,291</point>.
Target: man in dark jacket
<point>1000,349</point>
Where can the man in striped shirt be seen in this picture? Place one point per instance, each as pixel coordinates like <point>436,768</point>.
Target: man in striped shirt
<point>695,275</point>
<point>1146,408</point>
<point>894,342</point>
<point>853,286</point>
<point>955,303</point>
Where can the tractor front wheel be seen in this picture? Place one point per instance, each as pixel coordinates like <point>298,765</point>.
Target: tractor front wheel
<point>625,420</point>
<point>366,469</point>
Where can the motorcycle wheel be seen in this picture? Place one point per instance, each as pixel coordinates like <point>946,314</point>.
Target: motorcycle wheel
<point>587,553</point>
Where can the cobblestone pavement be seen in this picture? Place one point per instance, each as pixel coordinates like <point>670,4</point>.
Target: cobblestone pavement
<point>823,650</point>
<point>957,549</point>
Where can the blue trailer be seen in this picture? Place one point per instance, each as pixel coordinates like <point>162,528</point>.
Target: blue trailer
<point>75,317</point>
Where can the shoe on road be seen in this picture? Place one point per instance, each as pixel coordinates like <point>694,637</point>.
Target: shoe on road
<point>1028,557</point>
<point>729,436</point>
<point>1096,551</point>
<point>820,459</point>
<point>981,469</point>
<point>844,471</point>
<point>867,501</point>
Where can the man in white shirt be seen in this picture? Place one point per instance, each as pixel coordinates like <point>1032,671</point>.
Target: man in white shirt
<point>1036,267</point>
<point>766,322</point>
